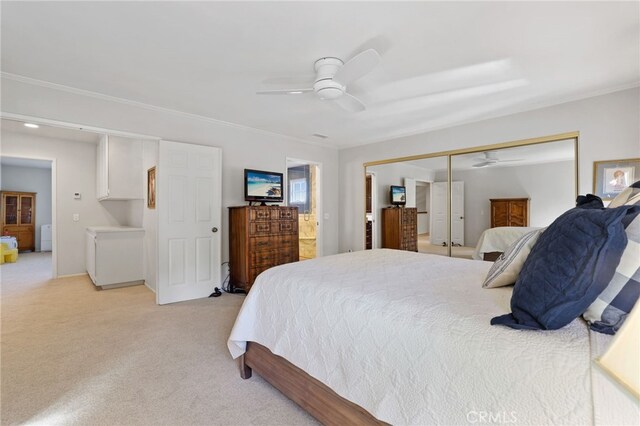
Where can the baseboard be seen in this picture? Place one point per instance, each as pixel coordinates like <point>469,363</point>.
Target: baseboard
<point>149,287</point>
<point>72,275</point>
<point>118,285</point>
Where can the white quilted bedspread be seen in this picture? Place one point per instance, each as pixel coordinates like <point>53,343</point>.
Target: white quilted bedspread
<point>407,337</point>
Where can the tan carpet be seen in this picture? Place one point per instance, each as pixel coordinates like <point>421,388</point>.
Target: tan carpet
<point>75,355</point>
<point>425,246</point>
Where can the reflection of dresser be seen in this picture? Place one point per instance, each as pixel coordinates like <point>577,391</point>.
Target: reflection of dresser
<point>260,237</point>
<point>509,212</point>
<point>400,228</point>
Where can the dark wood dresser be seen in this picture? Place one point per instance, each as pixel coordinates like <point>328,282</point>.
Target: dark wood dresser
<point>509,212</point>
<point>260,237</point>
<point>400,228</point>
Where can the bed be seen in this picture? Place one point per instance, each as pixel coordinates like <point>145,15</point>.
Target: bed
<point>494,241</point>
<point>404,338</point>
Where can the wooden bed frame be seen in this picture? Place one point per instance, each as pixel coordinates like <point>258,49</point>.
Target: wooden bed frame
<point>310,394</point>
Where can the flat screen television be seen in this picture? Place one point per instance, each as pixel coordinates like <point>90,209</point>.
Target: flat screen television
<point>263,186</point>
<point>398,195</point>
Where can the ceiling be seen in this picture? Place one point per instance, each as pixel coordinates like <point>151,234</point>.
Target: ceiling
<point>49,131</point>
<point>442,63</point>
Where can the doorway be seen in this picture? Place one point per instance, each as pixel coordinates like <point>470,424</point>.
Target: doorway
<point>304,192</point>
<point>423,205</point>
<point>371,209</point>
<point>28,214</point>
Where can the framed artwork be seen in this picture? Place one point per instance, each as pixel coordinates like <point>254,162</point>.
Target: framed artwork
<point>151,188</point>
<point>611,177</point>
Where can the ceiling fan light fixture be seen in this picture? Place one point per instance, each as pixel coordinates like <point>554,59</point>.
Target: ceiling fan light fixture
<point>329,93</point>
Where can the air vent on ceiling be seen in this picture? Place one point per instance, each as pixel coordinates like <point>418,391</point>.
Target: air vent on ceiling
<point>319,135</point>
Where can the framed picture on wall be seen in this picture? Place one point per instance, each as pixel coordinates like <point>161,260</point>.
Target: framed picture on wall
<point>151,188</point>
<point>611,177</point>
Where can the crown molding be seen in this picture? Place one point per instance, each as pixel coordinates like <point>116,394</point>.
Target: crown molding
<point>101,96</point>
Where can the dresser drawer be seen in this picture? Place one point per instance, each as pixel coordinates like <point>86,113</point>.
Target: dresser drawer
<point>286,242</point>
<point>264,258</point>
<point>260,228</point>
<point>287,257</point>
<point>261,244</point>
<point>288,213</point>
<point>262,213</point>
<point>288,227</point>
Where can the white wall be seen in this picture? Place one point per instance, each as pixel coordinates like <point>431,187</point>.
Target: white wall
<point>31,179</point>
<point>75,172</point>
<point>149,217</point>
<point>241,147</point>
<point>609,127</point>
<point>550,187</point>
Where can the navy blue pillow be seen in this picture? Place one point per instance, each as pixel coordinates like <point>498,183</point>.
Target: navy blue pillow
<point>589,201</point>
<point>570,265</point>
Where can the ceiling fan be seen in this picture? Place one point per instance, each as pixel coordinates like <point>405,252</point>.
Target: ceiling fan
<point>490,158</point>
<point>332,78</point>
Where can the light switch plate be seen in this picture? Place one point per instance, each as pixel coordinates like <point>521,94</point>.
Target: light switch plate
<point>76,217</point>
<point>326,216</point>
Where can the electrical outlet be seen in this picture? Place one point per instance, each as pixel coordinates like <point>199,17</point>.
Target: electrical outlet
<point>76,217</point>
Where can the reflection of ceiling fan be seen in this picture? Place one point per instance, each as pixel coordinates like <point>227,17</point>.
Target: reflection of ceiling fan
<point>332,78</point>
<point>491,159</point>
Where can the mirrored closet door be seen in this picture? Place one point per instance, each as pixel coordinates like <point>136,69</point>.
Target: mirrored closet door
<point>418,204</point>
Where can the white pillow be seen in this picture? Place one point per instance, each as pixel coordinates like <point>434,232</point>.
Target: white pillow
<point>506,268</point>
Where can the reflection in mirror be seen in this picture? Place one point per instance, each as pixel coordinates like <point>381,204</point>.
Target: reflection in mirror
<point>416,218</point>
<point>500,194</point>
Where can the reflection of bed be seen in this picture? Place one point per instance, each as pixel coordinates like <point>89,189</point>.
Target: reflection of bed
<point>406,337</point>
<point>494,241</point>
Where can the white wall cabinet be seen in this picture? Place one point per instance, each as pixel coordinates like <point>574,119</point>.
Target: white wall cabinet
<point>114,255</point>
<point>119,169</point>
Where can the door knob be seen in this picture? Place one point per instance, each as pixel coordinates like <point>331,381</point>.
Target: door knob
<point>214,229</point>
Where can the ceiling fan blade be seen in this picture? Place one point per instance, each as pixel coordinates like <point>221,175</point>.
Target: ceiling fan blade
<point>304,80</point>
<point>292,91</point>
<point>350,103</point>
<point>357,67</point>
<point>483,164</point>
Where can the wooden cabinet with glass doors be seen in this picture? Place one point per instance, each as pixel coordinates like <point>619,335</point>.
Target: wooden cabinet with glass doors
<point>19,218</point>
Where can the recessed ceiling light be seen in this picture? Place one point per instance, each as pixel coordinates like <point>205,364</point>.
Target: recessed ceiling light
<point>295,92</point>
<point>31,125</point>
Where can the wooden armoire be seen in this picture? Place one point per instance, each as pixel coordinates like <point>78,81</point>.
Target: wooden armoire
<point>19,218</point>
<point>260,237</point>
<point>400,228</point>
<point>509,212</point>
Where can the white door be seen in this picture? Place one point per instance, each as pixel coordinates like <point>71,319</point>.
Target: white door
<point>410,187</point>
<point>438,213</point>
<point>189,219</point>
<point>457,213</point>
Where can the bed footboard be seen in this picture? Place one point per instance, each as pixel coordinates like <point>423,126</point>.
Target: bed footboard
<point>310,394</point>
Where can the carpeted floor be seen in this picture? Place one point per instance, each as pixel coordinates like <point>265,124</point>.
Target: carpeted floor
<point>425,246</point>
<point>75,355</point>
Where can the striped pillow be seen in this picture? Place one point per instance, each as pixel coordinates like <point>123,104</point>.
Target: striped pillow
<point>506,268</point>
<point>612,307</point>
